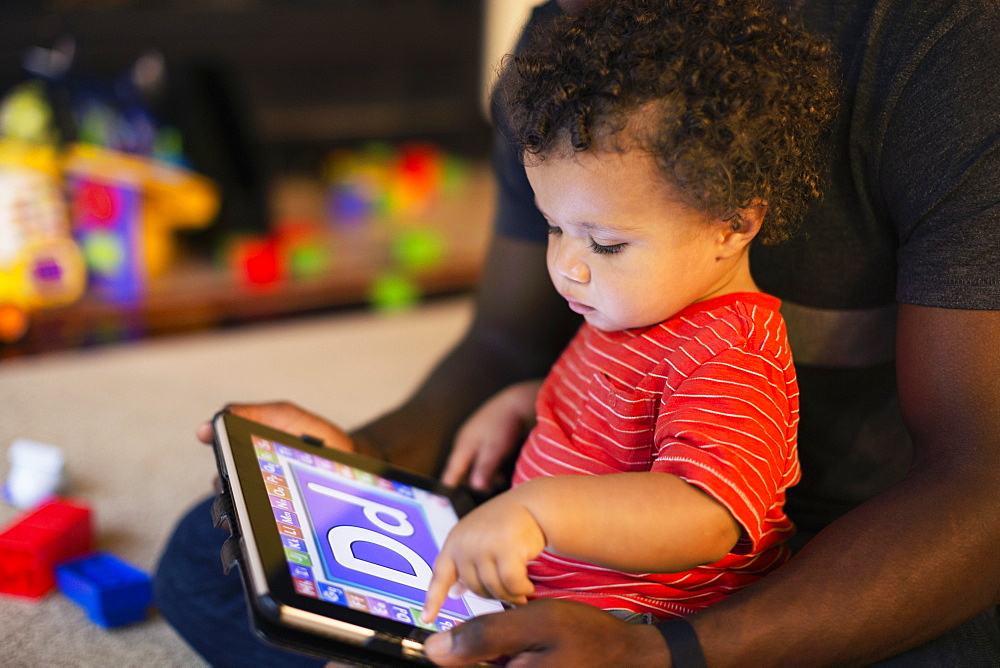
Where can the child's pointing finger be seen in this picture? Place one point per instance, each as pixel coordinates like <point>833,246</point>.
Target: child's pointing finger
<point>445,575</point>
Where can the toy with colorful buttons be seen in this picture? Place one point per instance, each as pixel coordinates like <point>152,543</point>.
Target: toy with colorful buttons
<point>125,209</point>
<point>118,230</point>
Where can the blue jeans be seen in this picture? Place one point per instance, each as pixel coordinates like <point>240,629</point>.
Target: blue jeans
<point>207,608</point>
<point>209,611</point>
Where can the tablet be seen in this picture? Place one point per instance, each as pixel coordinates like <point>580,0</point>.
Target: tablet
<point>335,549</point>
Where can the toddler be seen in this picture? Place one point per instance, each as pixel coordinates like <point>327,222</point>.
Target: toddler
<point>660,139</point>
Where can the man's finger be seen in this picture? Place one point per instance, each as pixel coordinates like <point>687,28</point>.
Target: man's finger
<point>482,638</point>
<point>549,633</point>
<point>205,433</point>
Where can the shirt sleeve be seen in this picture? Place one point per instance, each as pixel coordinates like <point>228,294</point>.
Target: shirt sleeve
<point>934,162</point>
<point>729,429</point>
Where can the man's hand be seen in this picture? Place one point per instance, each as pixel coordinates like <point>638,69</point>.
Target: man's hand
<point>550,632</point>
<point>287,417</point>
<point>488,552</point>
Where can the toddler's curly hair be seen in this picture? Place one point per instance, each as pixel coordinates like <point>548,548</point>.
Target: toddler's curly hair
<point>729,98</point>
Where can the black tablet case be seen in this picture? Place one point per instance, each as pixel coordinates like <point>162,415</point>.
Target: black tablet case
<point>380,652</point>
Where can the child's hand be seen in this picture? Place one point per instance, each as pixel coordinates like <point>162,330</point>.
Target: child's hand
<point>490,434</point>
<point>488,553</point>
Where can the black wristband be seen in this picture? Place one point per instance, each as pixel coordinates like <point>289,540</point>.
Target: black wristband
<point>682,641</point>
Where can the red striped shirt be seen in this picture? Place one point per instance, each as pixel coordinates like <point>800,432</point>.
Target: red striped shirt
<point>710,396</point>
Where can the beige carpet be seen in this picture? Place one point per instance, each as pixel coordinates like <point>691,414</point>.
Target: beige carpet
<point>125,415</point>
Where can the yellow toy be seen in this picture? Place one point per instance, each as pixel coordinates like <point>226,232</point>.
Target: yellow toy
<point>40,265</point>
<point>124,210</point>
<point>114,235</point>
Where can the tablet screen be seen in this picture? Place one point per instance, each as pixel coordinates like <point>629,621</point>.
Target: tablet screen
<point>358,540</point>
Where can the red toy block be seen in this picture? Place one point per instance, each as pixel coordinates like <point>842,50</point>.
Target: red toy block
<point>32,546</point>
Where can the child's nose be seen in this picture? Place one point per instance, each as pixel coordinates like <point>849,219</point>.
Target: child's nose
<point>571,267</point>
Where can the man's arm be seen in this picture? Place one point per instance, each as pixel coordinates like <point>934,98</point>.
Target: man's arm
<point>520,327</point>
<point>919,558</point>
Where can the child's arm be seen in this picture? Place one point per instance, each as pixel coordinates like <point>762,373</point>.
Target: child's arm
<point>640,522</point>
<point>490,434</point>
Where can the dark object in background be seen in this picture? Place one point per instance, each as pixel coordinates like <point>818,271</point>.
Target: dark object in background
<point>208,106</point>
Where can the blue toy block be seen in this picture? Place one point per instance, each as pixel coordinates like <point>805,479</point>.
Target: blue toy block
<point>112,592</point>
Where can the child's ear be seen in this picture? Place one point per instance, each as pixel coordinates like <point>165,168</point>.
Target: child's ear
<point>739,230</point>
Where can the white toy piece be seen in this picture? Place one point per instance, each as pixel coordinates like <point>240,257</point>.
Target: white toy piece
<point>36,472</point>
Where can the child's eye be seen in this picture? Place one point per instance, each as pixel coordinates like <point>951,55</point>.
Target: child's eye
<point>606,250</point>
<point>554,230</point>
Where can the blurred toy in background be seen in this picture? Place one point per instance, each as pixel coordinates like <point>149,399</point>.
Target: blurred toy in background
<point>379,198</point>
<point>161,157</point>
<point>127,181</point>
<point>53,545</point>
<point>125,209</point>
<point>297,249</point>
<point>40,265</point>
<point>111,591</point>
<point>64,136</point>
<point>255,261</point>
<point>32,545</point>
<point>380,181</point>
<point>35,473</point>
<point>396,188</point>
<point>25,116</point>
